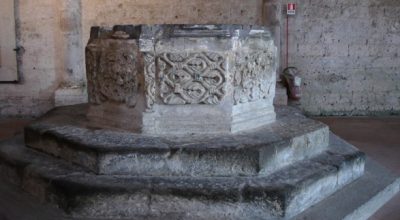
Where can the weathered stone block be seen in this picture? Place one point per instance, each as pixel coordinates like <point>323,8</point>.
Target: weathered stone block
<point>181,79</point>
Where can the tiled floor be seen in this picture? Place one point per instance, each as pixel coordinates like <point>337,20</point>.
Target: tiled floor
<point>378,137</point>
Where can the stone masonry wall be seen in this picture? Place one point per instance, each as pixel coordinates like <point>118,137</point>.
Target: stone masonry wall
<point>110,13</point>
<point>347,50</point>
<point>348,54</point>
<point>53,35</point>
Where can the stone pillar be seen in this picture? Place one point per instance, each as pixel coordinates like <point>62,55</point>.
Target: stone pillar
<point>272,18</point>
<point>72,89</point>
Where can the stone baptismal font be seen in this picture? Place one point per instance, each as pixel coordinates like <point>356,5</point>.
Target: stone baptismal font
<point>182,79</point>
<point>180,124</point>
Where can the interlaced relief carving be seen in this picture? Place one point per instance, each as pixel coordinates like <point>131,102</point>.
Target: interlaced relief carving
<point>150,80</point>
<point>252,76</point>
<point>112,72</point>
<point>191,78</point>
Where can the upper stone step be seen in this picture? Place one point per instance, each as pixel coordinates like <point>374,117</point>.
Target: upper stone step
<point>65,133</point>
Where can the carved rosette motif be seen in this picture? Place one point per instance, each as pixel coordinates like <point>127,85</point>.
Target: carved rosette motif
<point>252,78</point>
<point>112,72</point>
<point>191,78</point>
<point>150,80</point>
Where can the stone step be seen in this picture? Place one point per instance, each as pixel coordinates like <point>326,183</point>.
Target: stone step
<point>360,199</point>
<point>64,133</point>
<point>80,193</point>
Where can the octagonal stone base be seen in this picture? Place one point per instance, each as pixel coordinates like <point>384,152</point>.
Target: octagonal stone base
<point>274,172</point>
<point>180,79</point>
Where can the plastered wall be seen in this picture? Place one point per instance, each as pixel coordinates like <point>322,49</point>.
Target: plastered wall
<point>37,23</point>
<point>348,53</point>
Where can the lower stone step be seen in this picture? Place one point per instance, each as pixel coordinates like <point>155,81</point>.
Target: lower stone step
<point>80,193</point>
<point>358,200</point>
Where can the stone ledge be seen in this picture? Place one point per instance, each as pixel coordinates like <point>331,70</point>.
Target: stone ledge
<point>359,200</point>
<point>70,96</point>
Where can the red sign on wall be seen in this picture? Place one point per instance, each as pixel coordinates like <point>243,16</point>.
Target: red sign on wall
<point>291,8</point>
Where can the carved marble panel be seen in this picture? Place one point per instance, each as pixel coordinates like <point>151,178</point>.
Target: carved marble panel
<point>181,79</point>
<point>112,71</point>
<point>191,78</point>
<point>252,78</point>
<point>150,80</point>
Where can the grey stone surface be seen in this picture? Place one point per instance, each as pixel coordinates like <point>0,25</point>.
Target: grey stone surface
<point>360,199</point>
<point>181,79</point>
<point>375,187</point>
<point>65,133</point>
<point>282,194</point>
